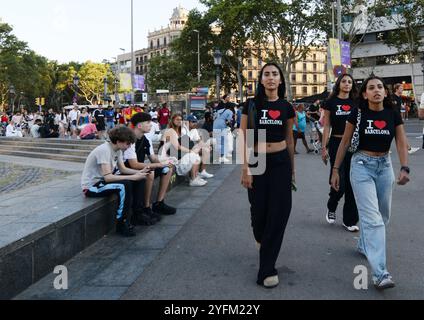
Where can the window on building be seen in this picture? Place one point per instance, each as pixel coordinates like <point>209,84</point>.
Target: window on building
<point>315,67</point>
<point>164,41</point>
<point>158,43</point>
<point>315,78</point>
<point>305,90</point>
<point>305,67</point>
<point>315,90</point>
<point>250,62</point>
<point>250,75</point>
<point>294,91</point>
<point>315,57</point>
<point>293,66</point>
<point>151,44</point>
<point>293,78</point>
<point>305,78</point>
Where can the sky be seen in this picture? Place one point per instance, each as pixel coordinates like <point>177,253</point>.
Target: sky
<point>82,30</point>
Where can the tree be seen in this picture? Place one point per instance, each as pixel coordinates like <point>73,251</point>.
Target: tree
<point>286,32</point>
<point>22,68</point>
<point>408,18</point>
<point>185,48</point>
<point>167,73</point>
<point>91,76</point>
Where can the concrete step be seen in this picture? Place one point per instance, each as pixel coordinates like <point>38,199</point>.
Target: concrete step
<point>57,141</point>
<point>37,149</point>
<point>43,144</point>
<point>38,155</point>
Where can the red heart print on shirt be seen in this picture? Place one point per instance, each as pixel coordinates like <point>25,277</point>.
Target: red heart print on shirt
<point>346,108</point>
<point>380,124</point>
<point>274,114</point>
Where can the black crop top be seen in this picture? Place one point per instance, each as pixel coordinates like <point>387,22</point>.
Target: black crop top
<point>272,117</point>
<point>340,110</point>
<point>377,128</point>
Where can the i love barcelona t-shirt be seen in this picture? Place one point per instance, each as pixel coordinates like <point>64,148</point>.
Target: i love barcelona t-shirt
<point>340,110</point>
<point>377,128</point>
<point>272,117</point>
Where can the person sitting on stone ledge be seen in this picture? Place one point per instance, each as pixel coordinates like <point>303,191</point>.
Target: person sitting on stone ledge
<point>100,178</point>
<point>135,158</point>
<point>89,132</point>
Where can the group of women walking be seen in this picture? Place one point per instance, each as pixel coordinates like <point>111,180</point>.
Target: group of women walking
<point>360,126</point>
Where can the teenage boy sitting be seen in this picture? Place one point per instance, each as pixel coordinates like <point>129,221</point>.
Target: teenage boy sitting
<point>99,178</point>
<point>135,157</point>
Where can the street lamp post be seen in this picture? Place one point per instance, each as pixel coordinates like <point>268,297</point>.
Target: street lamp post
<point>105,97</point>
<point>218,60</point>
<point>76,82</point>
<point>116,82</point>
<point>12,94</point>
<point>198,55</point>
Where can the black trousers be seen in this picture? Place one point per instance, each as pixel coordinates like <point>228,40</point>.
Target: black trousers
<point>271,204</point>
<point>131,195</point>
<point>350,211</point>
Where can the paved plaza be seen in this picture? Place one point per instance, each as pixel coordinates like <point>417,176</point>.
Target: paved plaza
<point>207,250</point>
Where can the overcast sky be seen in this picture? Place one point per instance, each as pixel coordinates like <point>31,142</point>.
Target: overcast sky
<point>81,30</point>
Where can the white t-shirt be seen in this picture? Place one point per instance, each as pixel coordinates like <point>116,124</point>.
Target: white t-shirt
<point>130,153</point>
<point>73,115</point>
<point>103,154</point>
<point>153,114</point>
<point>193,134</point>
<point>152,136</point>
<point>35,133</point>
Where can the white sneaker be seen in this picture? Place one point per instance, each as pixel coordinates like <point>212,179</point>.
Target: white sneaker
<point>198,182</point>
<point>351,228</point>
<point>205,175</point>
<point>331,217</point>
<point>413,150</point>
<point>224,160</point>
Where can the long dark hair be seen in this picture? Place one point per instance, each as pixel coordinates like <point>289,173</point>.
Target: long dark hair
<point>260,96</point>
<point>353,94</point>
<point>363,104</point>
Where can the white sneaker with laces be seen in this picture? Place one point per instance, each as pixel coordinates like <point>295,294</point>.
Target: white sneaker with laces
<point>198,182</point>
<point>351,228</point>
<point>205,175</point>
<point>413,150</point>
<point>331,217</point>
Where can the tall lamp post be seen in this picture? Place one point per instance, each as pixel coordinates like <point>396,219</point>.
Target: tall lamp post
<point>198,55</point>
<point>218,60</point>
<point>12,94</point>
<point>105,97</point>
<point>76,82</point>
<point>116,82</point>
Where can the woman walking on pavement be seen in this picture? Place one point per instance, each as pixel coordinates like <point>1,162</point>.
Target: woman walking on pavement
<point>270,193</point>
<point>337,110</point>
<point>370,130</point>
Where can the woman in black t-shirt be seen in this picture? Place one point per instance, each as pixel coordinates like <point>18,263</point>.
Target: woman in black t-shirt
<point>269,181</point>
<point>371,171</point>
<point>337,108</point>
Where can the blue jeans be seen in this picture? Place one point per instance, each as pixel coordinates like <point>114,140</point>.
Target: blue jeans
<point>221,136</point>
<point>372,181</point>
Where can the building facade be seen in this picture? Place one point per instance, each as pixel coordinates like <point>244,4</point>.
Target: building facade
<point>308,77</point>
<point>159,42</point>
<point>373,56</point>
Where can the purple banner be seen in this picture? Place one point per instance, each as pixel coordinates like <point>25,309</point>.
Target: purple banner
<point>345,48</point>
<point>139,83</point>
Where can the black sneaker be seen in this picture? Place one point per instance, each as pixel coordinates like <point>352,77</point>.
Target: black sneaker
<point>164,209</point>
<point>125,229</point>
<point>141,218</point>
<point>155,216</point>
